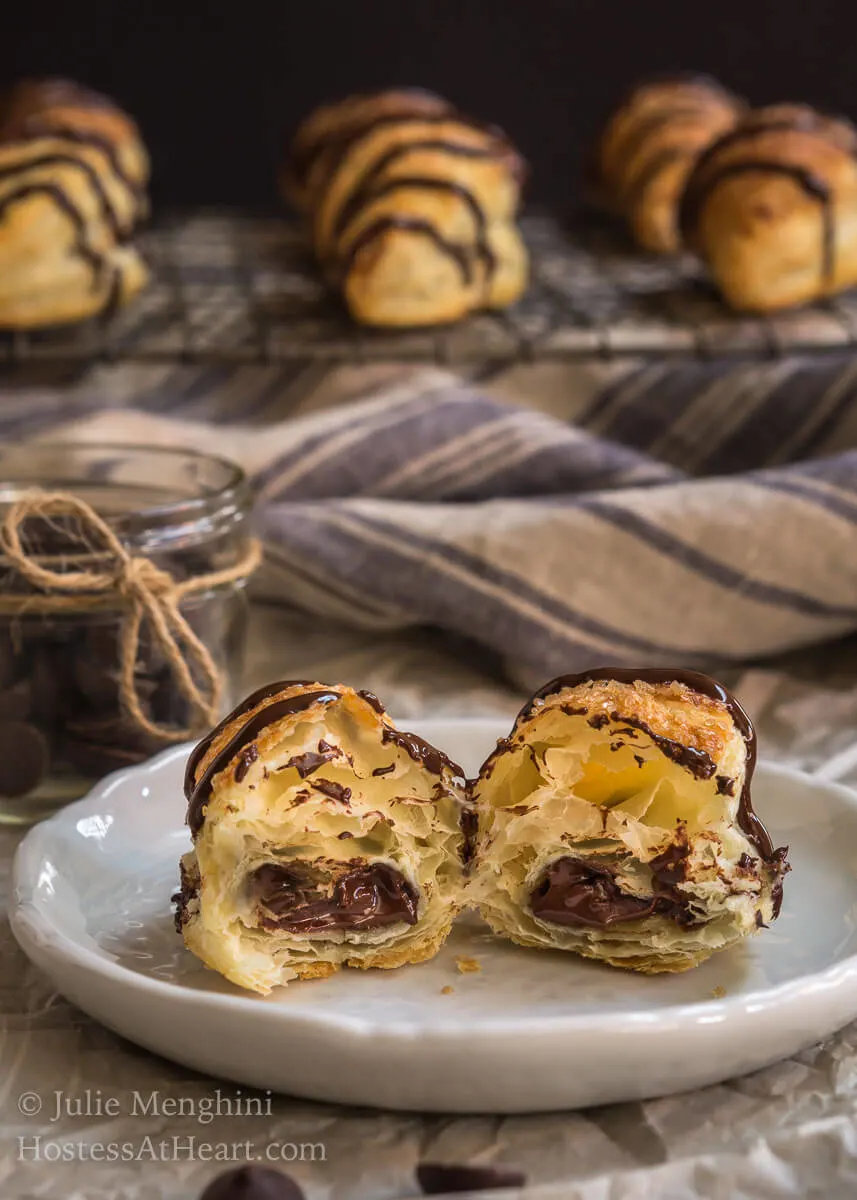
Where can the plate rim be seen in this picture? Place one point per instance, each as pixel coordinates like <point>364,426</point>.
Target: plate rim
<point>38,937</point>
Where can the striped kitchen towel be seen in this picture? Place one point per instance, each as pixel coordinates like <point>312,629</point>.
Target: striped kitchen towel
<point>683,513</point>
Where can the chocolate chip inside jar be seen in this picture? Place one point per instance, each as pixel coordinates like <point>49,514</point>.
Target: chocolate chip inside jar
<point>576,891</point>
<point>309,898</point>
<point>100,524</point>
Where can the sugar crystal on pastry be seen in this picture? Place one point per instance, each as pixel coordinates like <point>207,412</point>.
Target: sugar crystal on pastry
<point>616,822</point>
<point>323,837</point>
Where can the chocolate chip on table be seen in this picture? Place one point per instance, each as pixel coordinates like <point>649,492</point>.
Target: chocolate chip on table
<point>440,1179</point>
<point>24,758</point>
<point>252,1183</point>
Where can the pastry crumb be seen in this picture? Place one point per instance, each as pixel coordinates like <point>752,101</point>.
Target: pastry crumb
<point>467,966</point>
<point>719,993</point>
<point>447,991</point>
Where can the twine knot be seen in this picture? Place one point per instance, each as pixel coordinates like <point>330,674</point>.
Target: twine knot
<point>139,579</point>
<point>145,592</point>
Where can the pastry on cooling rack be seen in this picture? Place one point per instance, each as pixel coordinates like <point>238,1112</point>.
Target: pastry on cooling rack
<point>73,174</point>
<point>323,837</point>
<point>412,207</point>
<point>772,205</point>
<point>650,145</point>
<point>615,821</point>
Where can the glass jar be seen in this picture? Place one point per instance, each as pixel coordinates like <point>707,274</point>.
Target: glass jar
<point>65,719</point>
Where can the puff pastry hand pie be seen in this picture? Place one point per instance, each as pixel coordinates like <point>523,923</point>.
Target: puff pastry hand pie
<point>650,145</point>
<point>73,174</point>
<point>323,836</point>
<point>412,207</point>
<point>616,822</point>
<point>771,207</point>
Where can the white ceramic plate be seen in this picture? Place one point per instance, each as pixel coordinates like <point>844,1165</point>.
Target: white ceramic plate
<point>530,1031</point>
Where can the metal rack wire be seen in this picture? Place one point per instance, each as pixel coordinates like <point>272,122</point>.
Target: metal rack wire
<point>230,287</point>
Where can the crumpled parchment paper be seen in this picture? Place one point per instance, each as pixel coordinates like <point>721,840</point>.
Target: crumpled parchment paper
<point>788,1131</point>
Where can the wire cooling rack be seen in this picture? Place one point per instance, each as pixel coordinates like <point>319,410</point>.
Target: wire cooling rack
<point>227,286</point>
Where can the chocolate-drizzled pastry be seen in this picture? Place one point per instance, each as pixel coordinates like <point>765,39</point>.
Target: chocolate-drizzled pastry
<point>771,207</point>
<point>650,145</point>
<point>616,822</point>
<point>73,174</point>
<point>412,207</point>
<point>306,857</point>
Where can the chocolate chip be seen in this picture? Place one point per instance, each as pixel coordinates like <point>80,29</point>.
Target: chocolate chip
<point>16,701</point>
<point>59,677</point>
<point>23,758</point>
<point>252,1183</point>
<point>438,1179</point>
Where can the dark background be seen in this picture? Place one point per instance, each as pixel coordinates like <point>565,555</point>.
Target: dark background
<point>215,87</point>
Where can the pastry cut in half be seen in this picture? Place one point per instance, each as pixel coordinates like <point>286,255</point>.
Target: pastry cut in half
<point>323,836</point>
<point>615,821</point>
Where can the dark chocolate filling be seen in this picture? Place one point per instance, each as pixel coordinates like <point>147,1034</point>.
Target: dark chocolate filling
<point>574,891</point>
<point>295,899</point>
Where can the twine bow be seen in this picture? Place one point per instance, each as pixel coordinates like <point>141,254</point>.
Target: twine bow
<point>146,593</point>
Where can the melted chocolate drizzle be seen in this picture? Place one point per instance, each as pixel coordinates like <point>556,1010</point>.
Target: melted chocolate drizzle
<point>197,793</point>
<point>109,213</point>
<point>373,701</point>
<point>695,681</point>
<point>335,147</point>
<point>413,225</point>
<point>701,185</point>
<point>428,183</point>
<point>421,751</point>
<point>81,246</point>
<point>364,190</point>
<point>40,127</point>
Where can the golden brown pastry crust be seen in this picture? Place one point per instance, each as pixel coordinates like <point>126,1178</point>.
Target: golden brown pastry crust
<point>771,207</point>
<point>73,173</point>
<point>649,147</point>
<point>615,822</point>
<point>303,787</point>
<point>412,208</point>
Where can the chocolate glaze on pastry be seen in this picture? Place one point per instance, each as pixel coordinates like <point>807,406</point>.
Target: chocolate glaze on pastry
<point>697,763</point>
<point>412,206</point>
<point>768,207</point>
<point>73,173</point>
<point>616,822</point>
<point>649,146</point>
<point>323,836</point>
